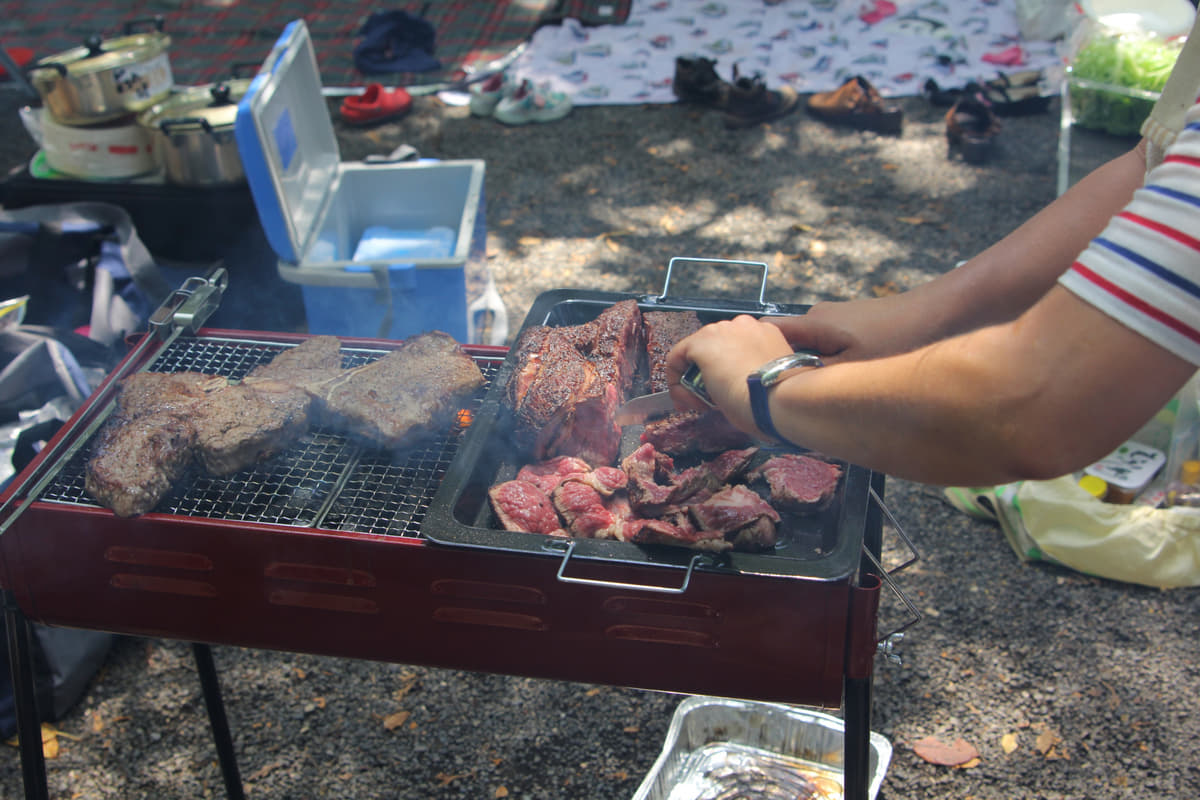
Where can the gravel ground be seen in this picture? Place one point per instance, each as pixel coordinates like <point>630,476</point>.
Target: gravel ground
<point>1068,686</point>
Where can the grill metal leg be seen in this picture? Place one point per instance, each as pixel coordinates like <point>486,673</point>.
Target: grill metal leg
<point>29,726</point>
<point>857,720</point>
<point>216,717</point>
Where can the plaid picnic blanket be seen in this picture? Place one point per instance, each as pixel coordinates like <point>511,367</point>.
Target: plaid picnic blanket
<point>215,39</point>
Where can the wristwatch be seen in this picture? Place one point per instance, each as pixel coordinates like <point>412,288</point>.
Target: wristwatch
<point>767,376</point>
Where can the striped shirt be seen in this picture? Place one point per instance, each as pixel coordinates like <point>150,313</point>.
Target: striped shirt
<point>1144,269</point>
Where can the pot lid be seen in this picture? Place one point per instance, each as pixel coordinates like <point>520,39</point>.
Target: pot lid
<point>99,55</point>
<point>215,105</point>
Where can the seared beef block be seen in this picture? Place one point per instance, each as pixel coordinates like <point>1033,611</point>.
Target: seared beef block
<point>561,404</point>
<point>663,330</point>
<point>614,343</point>
<point>686,432</point>
<point>523,506</point>
<point>241,424</point>
<point>406,395</point>
<point>798,482</point>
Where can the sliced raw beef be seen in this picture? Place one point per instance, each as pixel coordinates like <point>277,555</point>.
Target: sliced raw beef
<point>651,480</point>
<point>686,432</point>
<point>657,531</point>
<point>733,509</point>
<point>585,513</point>
<point>522,506</point>
<point>798,482</point>
<point>549,474</point>
<point>663,330</point>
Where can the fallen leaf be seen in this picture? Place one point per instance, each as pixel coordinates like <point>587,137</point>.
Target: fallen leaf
<point>817,248</point>
<point>501,792</point>
<point>592,692</point>
<point>319,702</point>
<point>884,290</point>
<point>395,720</point>
<point>891,167</point>
<point>1008,742</point>
<point>912,220</point>
<point>530,241</point>
<point>631,729</point>
<point>1046,740</point>
<point>935,751</point>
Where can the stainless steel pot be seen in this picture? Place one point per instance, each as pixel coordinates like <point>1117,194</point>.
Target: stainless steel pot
<point>106,78</point>
<point>193,134</point>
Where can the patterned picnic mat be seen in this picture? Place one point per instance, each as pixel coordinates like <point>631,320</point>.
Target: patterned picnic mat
<point>210,39</point>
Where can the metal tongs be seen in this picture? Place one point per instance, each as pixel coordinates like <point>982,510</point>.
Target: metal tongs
<point>189,306</point>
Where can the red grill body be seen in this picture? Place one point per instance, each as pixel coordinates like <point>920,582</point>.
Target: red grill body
<point>218,568</point>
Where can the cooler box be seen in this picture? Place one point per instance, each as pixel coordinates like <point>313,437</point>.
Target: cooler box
<point>378,248</point>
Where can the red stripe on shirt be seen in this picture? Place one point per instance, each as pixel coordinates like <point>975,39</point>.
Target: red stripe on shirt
<point>1175,158</point>
<point>1165,230</point>
<point>1137,303</point>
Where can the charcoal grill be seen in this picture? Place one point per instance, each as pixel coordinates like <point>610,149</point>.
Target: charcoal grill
<point>337,549</point>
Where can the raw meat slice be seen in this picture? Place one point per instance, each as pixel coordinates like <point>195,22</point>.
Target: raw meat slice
<point>686,432</point>
<point>799,482</point>
<point>731,509</point>
<point>522,506</point>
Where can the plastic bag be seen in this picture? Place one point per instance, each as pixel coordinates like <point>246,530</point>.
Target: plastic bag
<point>1046,19</point>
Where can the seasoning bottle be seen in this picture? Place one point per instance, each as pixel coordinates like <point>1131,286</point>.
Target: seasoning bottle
<point>1185,490</point>
<point>1096,486</point>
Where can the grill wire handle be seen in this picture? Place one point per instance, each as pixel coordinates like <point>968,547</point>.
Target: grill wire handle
<point>888,641</point>
<point>762,286</point>
<point>568,549</point>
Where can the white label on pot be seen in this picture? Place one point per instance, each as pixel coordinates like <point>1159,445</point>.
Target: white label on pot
<point>144,80</point>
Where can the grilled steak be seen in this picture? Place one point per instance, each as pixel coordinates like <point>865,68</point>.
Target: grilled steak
<point>310,365</point>
<point>166,421</point>
<point>147,444</point>
<point>241,424</point>
<point>408,394</point>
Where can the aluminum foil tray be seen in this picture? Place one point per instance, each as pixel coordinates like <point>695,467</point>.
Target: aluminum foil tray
<point>716,745</point>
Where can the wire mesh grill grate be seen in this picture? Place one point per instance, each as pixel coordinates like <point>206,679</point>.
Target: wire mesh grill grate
<point>324,481</point>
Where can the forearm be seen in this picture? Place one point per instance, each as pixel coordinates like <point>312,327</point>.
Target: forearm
<point>1049,393</point>
<point>1006,279</point>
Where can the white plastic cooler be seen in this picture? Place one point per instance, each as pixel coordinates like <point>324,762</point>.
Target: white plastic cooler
<point>366,241</point>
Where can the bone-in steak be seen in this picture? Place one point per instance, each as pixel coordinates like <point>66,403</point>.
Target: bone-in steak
<point>241,424</point>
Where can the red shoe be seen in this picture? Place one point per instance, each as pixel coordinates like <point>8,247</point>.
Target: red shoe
<point>376,104</point>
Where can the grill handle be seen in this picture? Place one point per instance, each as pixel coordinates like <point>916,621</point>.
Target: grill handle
<point>568,549</point>
<point>888,640</point>
<point>762,285</point>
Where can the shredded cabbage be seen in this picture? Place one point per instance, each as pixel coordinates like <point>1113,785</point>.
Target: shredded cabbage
<point>1120,60</point>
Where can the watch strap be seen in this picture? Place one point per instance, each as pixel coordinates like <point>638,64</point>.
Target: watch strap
<point>760,406</point>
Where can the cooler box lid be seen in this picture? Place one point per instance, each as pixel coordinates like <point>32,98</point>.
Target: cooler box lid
<point>287,144</point>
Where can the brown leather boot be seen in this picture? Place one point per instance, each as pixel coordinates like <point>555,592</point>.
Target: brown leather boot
<point>856,104</point>
<point>751,102</point>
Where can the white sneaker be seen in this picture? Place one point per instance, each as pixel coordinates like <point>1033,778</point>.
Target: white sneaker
<point>532,104</point>
<point>487,94</point>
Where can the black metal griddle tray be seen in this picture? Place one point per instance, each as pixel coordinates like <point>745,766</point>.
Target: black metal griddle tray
<point>823,546</point>
<point>325,480</point>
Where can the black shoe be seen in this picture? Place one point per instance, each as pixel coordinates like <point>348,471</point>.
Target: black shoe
<point>751,102</point>
<point>696,81</point>
<point>938,96</point>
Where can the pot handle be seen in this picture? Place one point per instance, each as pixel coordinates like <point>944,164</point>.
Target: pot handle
<point>185,123</point>
<point>132,25</point>
<point>57,66</point>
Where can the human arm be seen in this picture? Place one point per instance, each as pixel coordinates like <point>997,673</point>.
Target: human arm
<point>1036,397</point>
<point>997,285</point>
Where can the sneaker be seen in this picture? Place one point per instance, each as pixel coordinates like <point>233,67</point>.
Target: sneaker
<point>857,103</point>
<point>532,104</point>
<point>696,81</point>
<point>487,94</point>
<point>751,102</point>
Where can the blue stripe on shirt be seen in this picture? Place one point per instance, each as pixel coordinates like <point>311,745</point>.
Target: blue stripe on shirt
<point>1153,267</point>
<point>1174,194</point>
